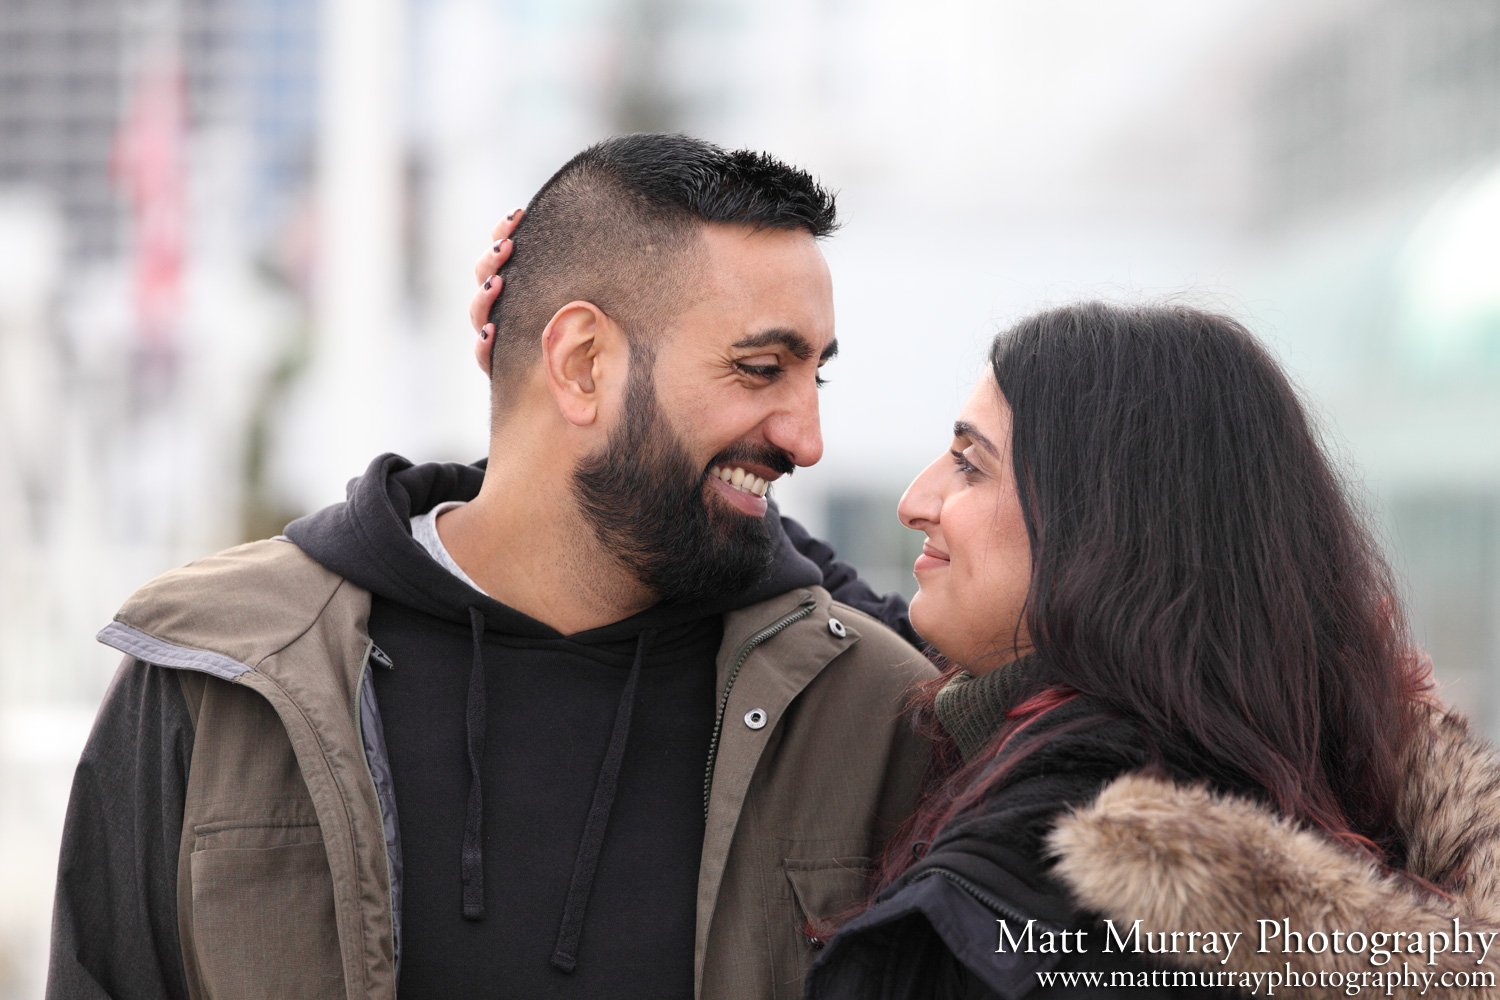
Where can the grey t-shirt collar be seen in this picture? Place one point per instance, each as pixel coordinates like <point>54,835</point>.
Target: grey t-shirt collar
<point>424,530</point>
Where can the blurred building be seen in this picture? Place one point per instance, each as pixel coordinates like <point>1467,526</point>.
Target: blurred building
<point>152,160</point>
<point>1376,223</point>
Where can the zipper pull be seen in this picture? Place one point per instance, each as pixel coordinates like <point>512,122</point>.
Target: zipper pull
<point>378,655</point>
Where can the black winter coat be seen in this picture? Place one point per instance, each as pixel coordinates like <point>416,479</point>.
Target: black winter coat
<point>1139,864</point>
<point>980,915</point>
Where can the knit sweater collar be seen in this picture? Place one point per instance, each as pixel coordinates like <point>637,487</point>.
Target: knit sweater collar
<point>971,708</point>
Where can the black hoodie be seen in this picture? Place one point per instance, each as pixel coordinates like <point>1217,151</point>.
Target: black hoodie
<point>552,706</point>
<point>549,788</point>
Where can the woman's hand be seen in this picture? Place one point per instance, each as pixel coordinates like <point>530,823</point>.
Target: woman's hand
<point>487,273</point>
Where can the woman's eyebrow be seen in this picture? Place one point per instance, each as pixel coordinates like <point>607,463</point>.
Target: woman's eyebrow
<point>964,429</point>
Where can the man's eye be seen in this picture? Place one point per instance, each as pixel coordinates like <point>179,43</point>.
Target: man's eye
<point>759,371</point>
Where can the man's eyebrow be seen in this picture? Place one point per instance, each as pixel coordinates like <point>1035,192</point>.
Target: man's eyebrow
<point>964,429</point>
<point>790,339</point>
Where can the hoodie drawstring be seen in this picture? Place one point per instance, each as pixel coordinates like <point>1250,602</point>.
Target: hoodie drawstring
<point>471,861</point>
<point>565,954</point>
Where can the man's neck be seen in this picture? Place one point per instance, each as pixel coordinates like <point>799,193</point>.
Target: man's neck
<point>526,548</point>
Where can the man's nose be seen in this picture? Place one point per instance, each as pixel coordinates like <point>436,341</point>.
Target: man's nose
<point>797,430</point>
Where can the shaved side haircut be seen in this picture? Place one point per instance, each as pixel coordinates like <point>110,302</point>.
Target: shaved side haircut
<point>618,226</point>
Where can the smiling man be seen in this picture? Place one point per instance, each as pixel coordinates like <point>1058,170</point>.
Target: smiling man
<point>577,722</point>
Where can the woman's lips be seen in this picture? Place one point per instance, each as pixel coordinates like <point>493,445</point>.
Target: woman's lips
<point>930,558</point>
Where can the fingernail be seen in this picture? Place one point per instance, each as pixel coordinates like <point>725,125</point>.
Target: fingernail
<point>499,246</point>
<point>512,216</point>
<point>486,330</point>
<point>487,282</point>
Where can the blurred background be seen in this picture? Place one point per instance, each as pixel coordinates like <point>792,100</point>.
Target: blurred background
<point>236,240</point>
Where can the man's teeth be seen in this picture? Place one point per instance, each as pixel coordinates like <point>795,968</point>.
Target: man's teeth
<point>741,480</point>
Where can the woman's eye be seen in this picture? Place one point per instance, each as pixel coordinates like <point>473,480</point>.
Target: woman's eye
<point>964,465</point>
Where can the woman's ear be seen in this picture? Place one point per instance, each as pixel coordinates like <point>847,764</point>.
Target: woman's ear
<point>584,353</point>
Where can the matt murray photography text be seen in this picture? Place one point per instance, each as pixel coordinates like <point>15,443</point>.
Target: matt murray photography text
<point>1272,935</point>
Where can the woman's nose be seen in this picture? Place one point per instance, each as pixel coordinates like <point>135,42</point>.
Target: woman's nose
<point>922,502</point>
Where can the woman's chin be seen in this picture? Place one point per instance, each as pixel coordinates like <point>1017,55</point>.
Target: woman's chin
<point>927,622</point>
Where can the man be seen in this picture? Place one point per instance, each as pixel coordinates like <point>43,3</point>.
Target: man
<point>577,722</point>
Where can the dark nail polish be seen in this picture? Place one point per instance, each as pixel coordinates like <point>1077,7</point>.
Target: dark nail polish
<point>511,217</point>
<point>487,283</point>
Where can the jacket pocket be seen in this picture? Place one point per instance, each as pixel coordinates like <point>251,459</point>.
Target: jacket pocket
<point>815,893</point>
<point>263,923</point>
<point>825,890</point>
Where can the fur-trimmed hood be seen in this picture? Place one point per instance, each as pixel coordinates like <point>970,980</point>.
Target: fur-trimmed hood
<point>1182,858</point>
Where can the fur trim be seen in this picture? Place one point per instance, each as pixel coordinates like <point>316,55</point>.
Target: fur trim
<point>1450,808</point>
<point>1182,858</point>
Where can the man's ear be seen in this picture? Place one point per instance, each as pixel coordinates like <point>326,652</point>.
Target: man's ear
<point>583,354</point>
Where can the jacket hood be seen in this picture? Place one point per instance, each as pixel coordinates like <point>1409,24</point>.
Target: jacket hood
<point>367,539</point>
<point>1183,858</point>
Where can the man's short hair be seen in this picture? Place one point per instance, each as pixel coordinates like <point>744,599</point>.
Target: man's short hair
<point>617,225</point>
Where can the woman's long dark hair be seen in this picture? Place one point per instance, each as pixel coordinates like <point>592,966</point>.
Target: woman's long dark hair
<point>1197,567</point>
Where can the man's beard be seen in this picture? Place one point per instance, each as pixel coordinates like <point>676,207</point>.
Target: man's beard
<point>643,496</point>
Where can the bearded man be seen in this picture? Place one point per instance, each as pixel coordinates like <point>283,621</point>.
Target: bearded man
<point>575,722</point>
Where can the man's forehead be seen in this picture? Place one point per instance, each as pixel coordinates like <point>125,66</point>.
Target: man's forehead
<point>765,288</point>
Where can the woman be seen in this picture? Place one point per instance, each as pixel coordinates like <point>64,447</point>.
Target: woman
<point>1188,701</point>
<point>1183,733</point>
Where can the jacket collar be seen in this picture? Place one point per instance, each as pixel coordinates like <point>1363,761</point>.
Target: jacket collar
<point>1182,858</point>
<point>226,613</point>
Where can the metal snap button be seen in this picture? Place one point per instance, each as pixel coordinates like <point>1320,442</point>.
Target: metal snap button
<point>756,718</point>
<point>837,627</point>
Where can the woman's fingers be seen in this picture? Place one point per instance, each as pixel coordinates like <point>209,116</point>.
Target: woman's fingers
<point>500,246</point>
<point>483,301</point>
<point>486,270</point>
<point>489,262</point>
<point>507,225</point>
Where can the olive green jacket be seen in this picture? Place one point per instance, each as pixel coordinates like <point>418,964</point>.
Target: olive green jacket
<point>289,879</point>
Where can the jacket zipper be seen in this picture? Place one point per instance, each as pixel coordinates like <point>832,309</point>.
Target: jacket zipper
<point>983,896</point>
<point>376,654</point>
<point>803,610</point>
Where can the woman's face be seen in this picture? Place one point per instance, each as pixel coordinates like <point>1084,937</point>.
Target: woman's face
<point>975,566</point>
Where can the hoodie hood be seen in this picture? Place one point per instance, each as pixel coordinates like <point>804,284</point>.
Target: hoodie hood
<point>1179,857</point>
<point>367,539</point>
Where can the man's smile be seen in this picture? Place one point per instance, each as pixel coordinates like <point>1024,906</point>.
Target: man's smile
<point>742,489</point>
<point>741,479</point>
